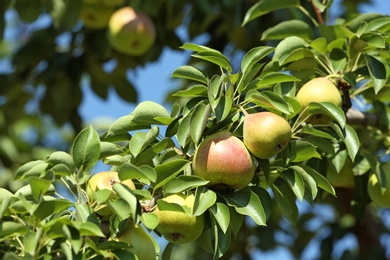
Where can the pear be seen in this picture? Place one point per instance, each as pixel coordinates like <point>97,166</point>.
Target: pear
<point>105,180</point>
<point>130,32</point>
<point>177,226</point>
<point>343,179</point>
<point>382,199</point>
<point>224,161</point>
<point>142,244</point>
<point>318,90</point>
<point>265,134</point>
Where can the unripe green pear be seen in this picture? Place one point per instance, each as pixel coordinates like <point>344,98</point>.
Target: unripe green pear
<point>265,134</point>
<point>224,161</point>
<point>142,244</point>
<point>95,16</point>
<point>375,191</point>
<point>345,178</point>
<point>131,33</point>
<point>318,90</point>
<point>176,226</point>
<point>105,180</point>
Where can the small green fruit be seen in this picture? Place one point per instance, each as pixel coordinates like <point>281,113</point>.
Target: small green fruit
<point>224,161</point>
<point>142,244</point>
<point>95,16</point>
<point>318,90</point>
<point>176,226</point>
<point>105,180</point>
<point>345,178</point>
<point>266,134</point>
<point>131,33</point>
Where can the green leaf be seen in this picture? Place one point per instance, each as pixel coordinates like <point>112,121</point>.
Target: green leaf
<point>191,73</point>
<point>204,199</point>
<point>131,171</point>
<point>248,203</point>
<point>86,149</point>
<point>199,120</point>
<point>149,220</point>
<point>146,113</point>
<point>109,149</point>
<point>197,90</point>
<point>183,131</point>
<point>266,6</point>
<point>321,181</point>
<point>253,56</point>
<point>39,187</point>
<point>51,207</point>
<point>90,229</point>
<point>224,107</point>
<point>352,141</point>
<point>319,45</point>
<point>329,109</point>
<point>30,169</point>
<point>285,29</point>
<point>221,214</point>
<point>309,129</point>
<point>169,170</point>
<point>276,77</point>
<point>294,180</point>
<point>120,208</point>
<point>269,101</point>
<point>196,47</point>
<point>183,183</point>
<point>285,200</point>
<point>172,206</point>
<point>141,140</point>
<point>284,51</point>
<point>308,179</point>
<point>11,228</point>
<point>60,157</point>
<point>302,151</point>
<point>215,57</point>
<point>379,71</point>
<point>221,240</point>
<point>128,195</point>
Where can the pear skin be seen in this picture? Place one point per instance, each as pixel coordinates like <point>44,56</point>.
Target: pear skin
<point>131,33</point>
<point>224,161</point>
<point>266,134</point>
<point>176,226</point>
<point>318,90</point>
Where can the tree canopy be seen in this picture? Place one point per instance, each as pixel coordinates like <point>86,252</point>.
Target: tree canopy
<point>324,184</point>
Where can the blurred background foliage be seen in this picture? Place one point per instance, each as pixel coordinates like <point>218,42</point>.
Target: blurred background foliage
<point>50,54</point>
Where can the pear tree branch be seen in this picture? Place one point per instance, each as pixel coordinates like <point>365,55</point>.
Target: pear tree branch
<point>356,117</point>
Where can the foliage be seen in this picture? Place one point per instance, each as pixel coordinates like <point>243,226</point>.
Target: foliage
<point>52,216</point>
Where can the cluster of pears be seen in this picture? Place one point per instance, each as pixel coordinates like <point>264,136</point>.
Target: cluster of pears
<point>227,162</point>
<point>176,224</point>
<point>129,32</point>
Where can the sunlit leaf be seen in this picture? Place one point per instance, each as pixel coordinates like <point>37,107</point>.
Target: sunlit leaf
<point>266,6</point>
<point>86,149</point>
<point>191,73</point>
<point>288,28</point>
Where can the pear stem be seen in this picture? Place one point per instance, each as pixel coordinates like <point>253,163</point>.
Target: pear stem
<point>244,111</point>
